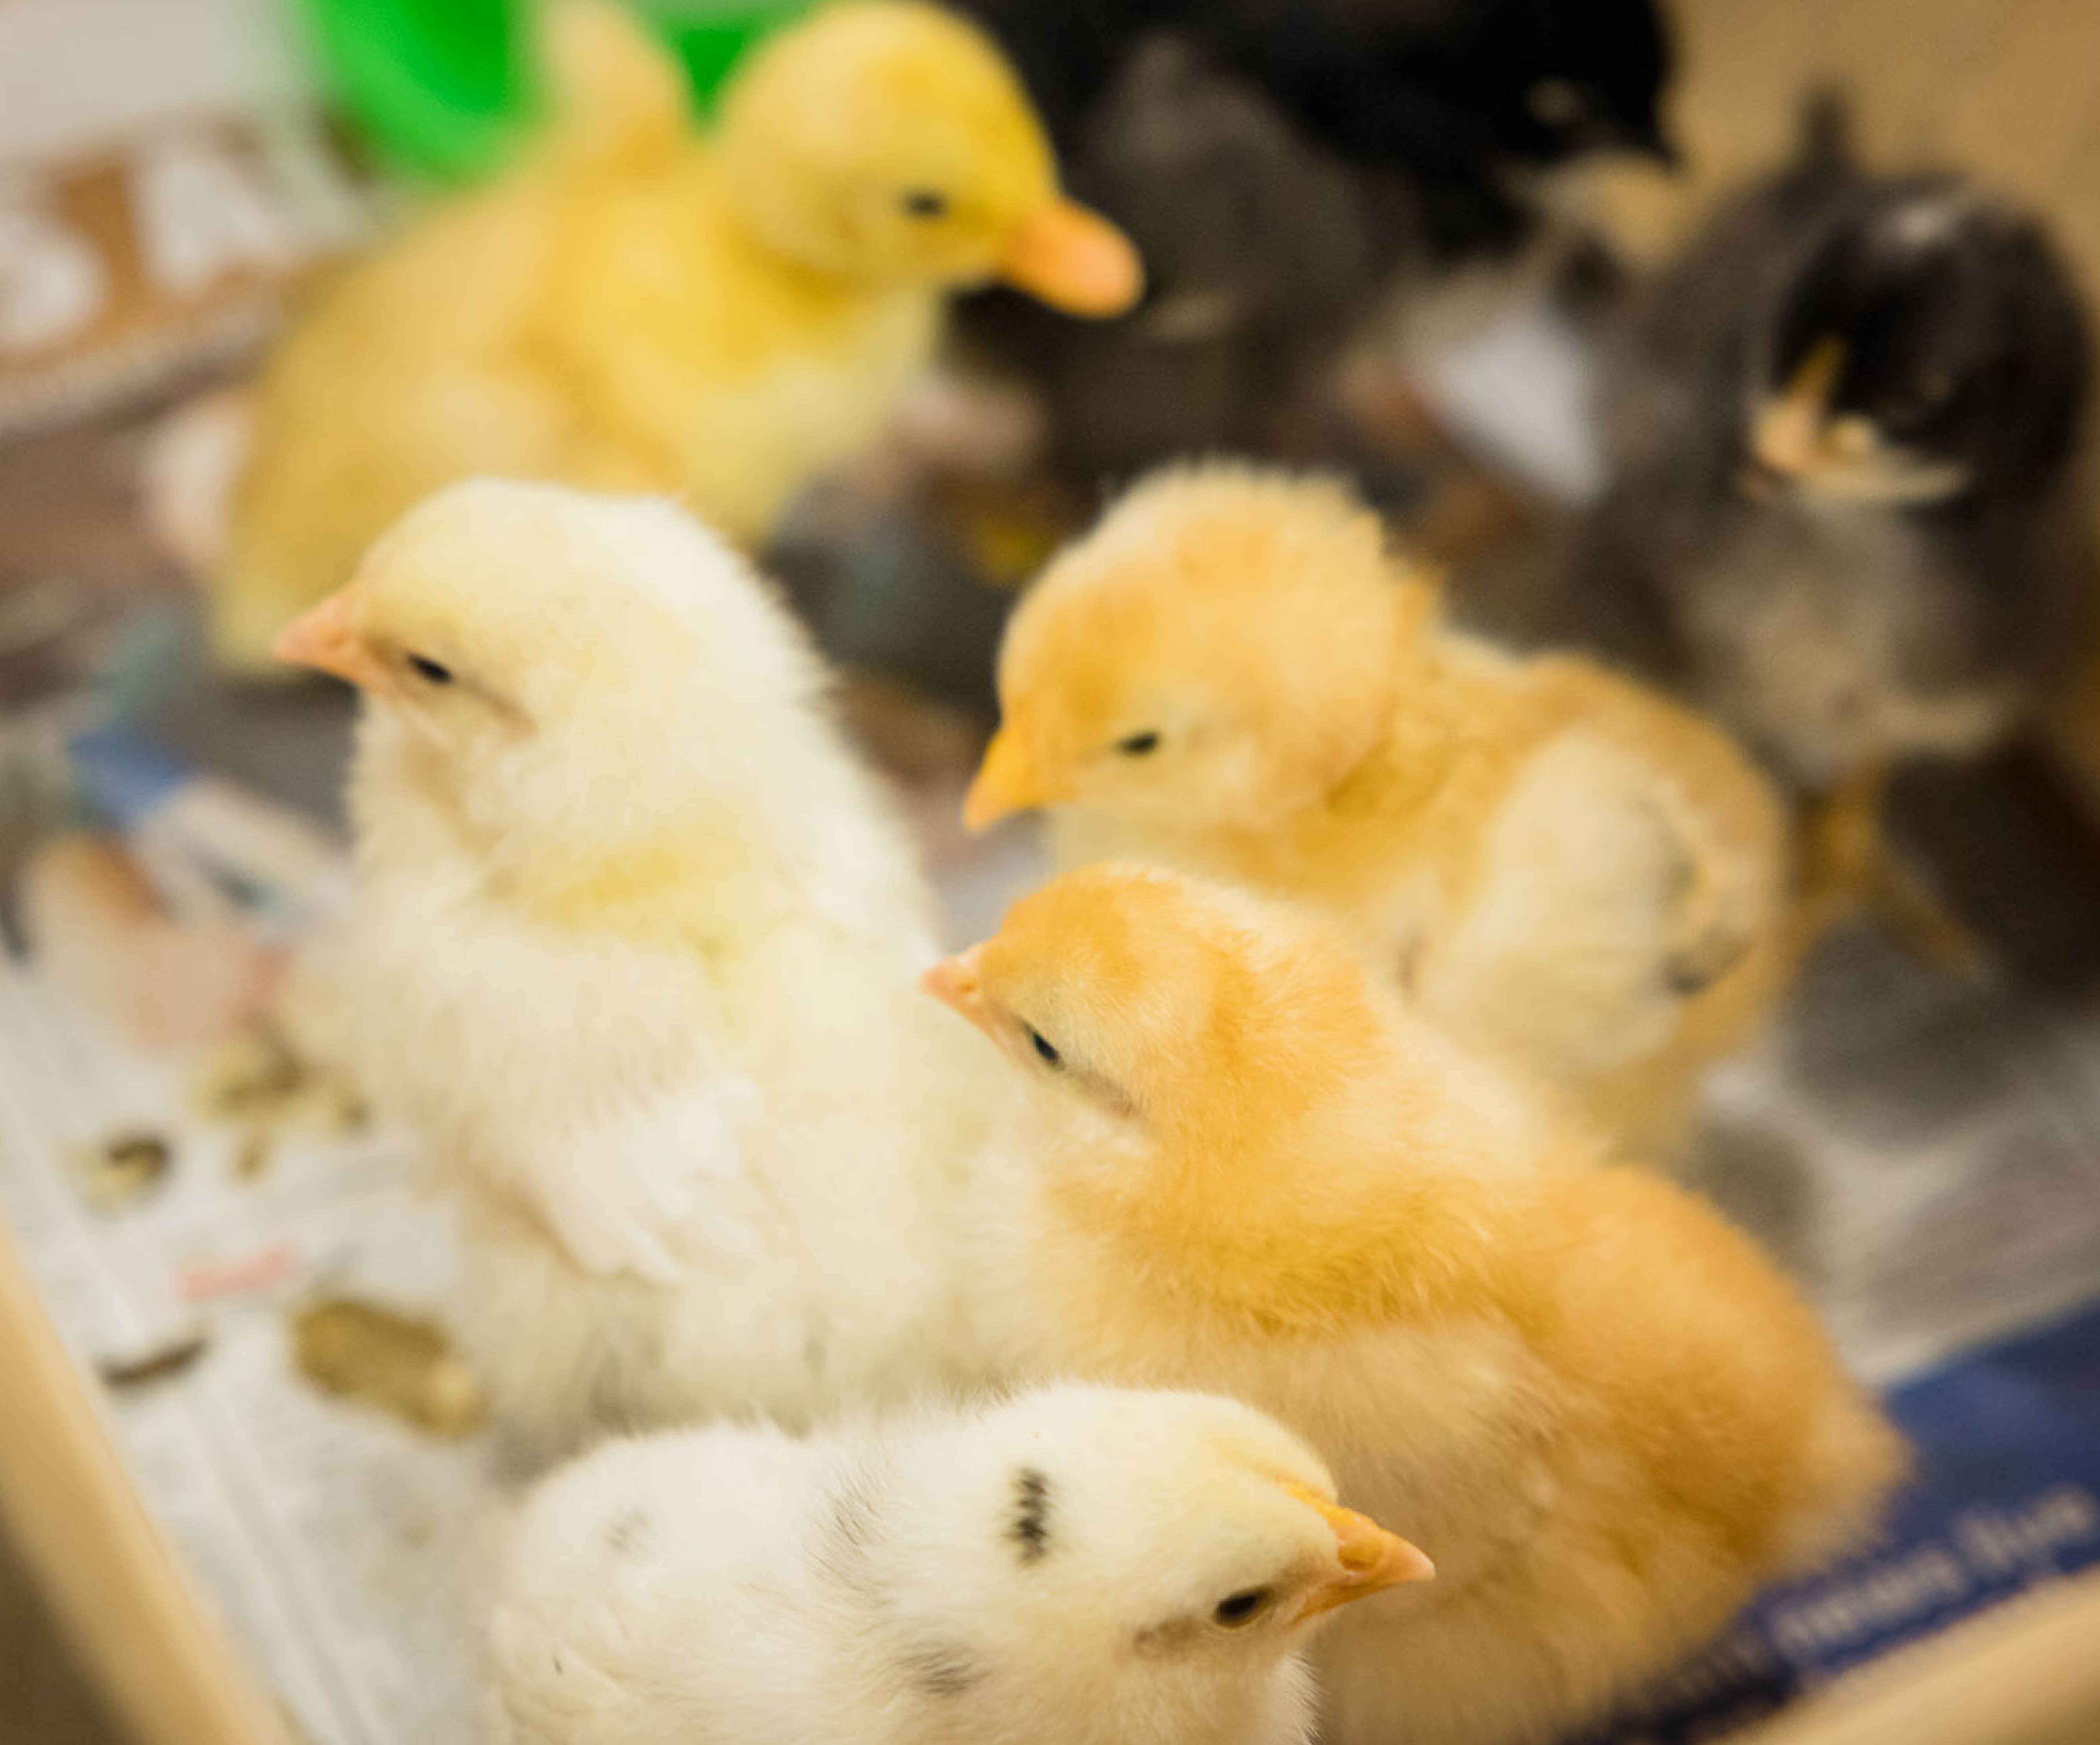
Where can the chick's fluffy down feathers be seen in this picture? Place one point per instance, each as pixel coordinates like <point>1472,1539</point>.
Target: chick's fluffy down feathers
<point>635,951</point>
<point>1598,1408</point>
<point>1039,1571</point>
<point>1564,866</point>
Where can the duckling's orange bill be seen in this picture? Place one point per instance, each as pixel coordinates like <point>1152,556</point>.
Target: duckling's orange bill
<point>1007,781</point>
<point>325,636</point>
<point>1372,1559</point>
<point>1073,259</point>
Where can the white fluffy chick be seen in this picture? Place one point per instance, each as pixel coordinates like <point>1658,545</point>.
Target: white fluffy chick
<point>635,951</point>
<point>1074,1566</point>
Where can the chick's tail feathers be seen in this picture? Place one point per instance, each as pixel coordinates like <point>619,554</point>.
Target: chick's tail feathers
<point>1854,1460</point>
<point>1824,134</point>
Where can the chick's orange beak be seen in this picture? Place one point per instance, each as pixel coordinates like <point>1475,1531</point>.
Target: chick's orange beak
<point>1007,781</point>
<point>1372,1560</point>
<point>325,636</point>
<point>1788,433</point>
<point>1073,259</point>
<point>954,982</point>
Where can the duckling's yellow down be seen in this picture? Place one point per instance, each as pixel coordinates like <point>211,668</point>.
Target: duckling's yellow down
<point>637,307</point>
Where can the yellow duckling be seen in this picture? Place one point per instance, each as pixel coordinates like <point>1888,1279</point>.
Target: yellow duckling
<point>640,307</point>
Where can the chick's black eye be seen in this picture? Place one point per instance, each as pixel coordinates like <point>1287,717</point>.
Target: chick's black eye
<point>1554,102</point>
<point>1050,1055</point>
<point>925,202</point>
<point>1138,745</point>
<point>424,667</point>
<point>1243,1608</point>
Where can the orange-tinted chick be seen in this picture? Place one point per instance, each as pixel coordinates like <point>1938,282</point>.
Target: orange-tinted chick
<point>1599,1409</point>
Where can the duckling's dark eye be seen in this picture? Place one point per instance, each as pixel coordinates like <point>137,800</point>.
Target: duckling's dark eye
<point>1138,745</point>
<point>925,202</point>
<point>1236,1610</point>
<point>424,667</point>
<point>1051,1057</point>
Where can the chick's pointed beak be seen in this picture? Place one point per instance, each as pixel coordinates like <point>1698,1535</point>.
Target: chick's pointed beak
<point>325,637</point>
<point>1007,781</point>
<point>1073,259</point>
<point>954,982</point>
<point>1788,435</point>
<point>1372,1560</point>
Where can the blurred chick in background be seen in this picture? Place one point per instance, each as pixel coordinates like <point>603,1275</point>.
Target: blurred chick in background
<point>1070,1567</point>
<point>1264,254</point>
<point>1845,516</point>
<point>1284,168</point>
<point>639,308</point>
<point>635,949</point>
<point>1233,674</point>
<point>1470,99</point>
<point>1601,1411</point>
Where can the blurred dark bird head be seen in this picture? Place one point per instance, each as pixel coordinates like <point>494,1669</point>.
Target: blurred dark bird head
<point>1462,98</point>
<point>1566,79</point>
<point>1928,346</point>
<point>1466,98</point>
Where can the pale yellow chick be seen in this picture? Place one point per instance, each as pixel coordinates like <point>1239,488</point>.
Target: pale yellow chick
<point>1599,1409</point>
<point>1234,673</point>
<point>641,308</point>
<point>636,949</point>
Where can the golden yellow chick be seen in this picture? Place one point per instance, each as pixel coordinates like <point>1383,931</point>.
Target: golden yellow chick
<point>1233,674</point>
<point>641,308</point>
<point>1599,1409</point>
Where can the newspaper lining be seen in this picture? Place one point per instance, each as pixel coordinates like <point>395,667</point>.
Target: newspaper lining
<point>341,1548</point>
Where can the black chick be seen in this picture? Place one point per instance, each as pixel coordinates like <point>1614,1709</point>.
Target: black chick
<point>1261,253</point>
<point>1842,429</point>
<point>1465,96</point>
<point>1282,165</point>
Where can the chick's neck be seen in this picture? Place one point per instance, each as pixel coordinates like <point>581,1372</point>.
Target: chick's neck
<point>692,878</point>
<point>1446,689</point>
<point>1382,1192</point>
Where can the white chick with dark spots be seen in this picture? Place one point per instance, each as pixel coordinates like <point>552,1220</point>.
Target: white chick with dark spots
<point>1076,1565</point>
<point>635,951</point>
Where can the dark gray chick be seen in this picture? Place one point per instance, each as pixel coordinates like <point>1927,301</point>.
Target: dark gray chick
<point>1842,429</point>
<point>1262,251</point>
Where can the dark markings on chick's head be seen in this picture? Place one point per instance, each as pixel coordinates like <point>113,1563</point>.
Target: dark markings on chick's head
<point>941,1669</point>
<point>1031,1514</point>
<point>628,1531</point>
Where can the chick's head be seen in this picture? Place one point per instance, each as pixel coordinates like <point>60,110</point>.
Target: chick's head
<point>1558,81</point>
<point>566,672</point>
<point>1157,1557</point>
<point>889,141</point>
<point>1188,1011</point>
<point>1927,344</point>
<point>1225,648</point>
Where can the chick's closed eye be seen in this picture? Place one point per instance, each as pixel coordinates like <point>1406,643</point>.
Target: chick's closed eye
<point>1043,1046</point>
<point>1138,745</point>
<point>436,672</point>
<point>924,202</point>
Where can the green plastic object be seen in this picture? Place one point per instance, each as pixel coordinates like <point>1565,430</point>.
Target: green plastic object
<point>444,88</point>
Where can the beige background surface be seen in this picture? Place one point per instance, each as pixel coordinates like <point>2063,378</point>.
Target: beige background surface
<point>2009,90</point>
